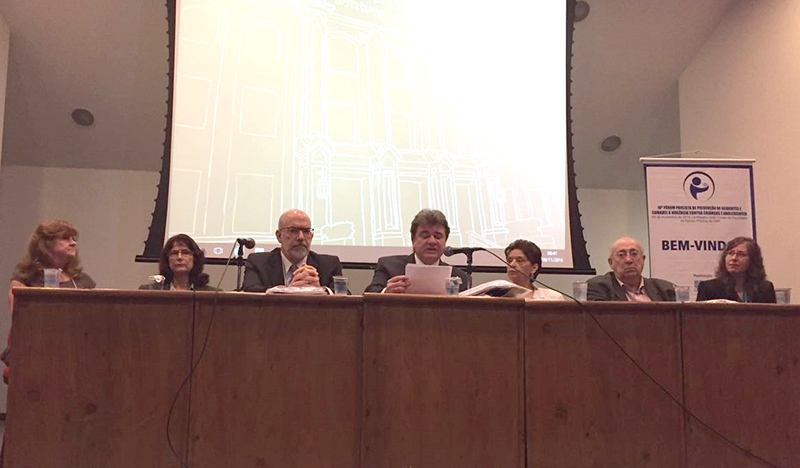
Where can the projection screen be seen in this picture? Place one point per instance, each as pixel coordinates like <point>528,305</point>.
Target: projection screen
<point>362,112</point>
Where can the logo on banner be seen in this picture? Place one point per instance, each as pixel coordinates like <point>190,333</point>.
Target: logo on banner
<point>699,186</point>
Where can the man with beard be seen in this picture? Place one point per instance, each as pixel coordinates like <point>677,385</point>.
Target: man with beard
<point>625,281</point>
<point>293,263</point>
<point>429,233</point>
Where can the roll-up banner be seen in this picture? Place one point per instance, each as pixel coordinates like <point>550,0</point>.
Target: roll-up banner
<point>694,207</point>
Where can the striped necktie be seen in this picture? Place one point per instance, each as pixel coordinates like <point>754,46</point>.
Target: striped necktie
<point>290,274</point>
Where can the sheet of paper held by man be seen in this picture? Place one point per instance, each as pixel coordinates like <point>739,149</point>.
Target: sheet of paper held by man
<point>427,279</point>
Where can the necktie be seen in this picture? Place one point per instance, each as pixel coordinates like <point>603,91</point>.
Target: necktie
<point>290,274</point>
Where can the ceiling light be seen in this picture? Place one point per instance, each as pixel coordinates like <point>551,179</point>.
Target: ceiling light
<point>83,117</point>
<point>611,144</point>
<point>581,11</point>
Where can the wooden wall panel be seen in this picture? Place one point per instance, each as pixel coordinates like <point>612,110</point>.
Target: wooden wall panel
<point>93,375</point>
<point>442,382</point>
<point>742,371</point>
<point>587,405</point>
<point>280,383</point>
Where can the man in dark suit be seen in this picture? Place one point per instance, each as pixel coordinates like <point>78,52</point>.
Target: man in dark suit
<point>293,263</point>
<point>625,281</point>
<point>429,233</point>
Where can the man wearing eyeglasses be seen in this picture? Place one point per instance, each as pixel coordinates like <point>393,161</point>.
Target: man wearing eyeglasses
<point>293,263</point>
<point>429,233</point>
<point>625,281</point>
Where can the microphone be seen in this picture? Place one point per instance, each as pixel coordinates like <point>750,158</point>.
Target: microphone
<point>246,242</point>
<point>450,251</point>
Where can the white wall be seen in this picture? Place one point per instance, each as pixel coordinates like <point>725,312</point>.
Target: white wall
<point>110,209</point>
<point>5,41</point>
<point>739,96</point>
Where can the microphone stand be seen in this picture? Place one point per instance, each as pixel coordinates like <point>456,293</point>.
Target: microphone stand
<point>239,265</point>
<point>470,268</point>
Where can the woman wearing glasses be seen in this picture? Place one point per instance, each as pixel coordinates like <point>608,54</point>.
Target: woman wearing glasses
<point>740,275</point>
<point>54,244</point>
<point>181,264</point>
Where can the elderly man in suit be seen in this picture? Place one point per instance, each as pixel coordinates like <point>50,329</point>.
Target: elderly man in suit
<point>293,263</point>
<point>429,233</point>
<point>625,282</point>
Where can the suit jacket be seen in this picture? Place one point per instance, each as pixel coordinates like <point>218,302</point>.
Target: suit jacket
<point>607,288</point>
<point>265,270</point>
<point>394,265</point>
<point>717,289</point>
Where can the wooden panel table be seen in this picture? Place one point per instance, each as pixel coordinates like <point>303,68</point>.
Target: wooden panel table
<point>279,384</point>
<point>385,381</point>
<point>442,382</point>
<point>93,376</point>
<point>587,404</point>
<point>742,373</point>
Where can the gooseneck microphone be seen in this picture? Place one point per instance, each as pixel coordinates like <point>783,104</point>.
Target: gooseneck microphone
<point>450,251</point>
<point>246,242</point>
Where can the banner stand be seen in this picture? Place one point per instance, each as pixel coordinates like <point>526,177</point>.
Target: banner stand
<point>696,202</point>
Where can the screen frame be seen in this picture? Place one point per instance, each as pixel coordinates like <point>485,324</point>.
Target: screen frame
<point>157,229</point>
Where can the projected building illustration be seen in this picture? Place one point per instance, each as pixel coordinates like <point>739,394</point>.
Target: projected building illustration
<point>328,106</point>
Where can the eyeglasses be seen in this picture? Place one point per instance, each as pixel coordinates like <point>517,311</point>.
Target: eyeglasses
<point>736,253</point>
<point>180,252</point>
<point>634,254</point>
<point>294,231</point>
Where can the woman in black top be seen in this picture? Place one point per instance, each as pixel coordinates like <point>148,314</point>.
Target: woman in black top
<point>740,275</point>
<point>181,264</point>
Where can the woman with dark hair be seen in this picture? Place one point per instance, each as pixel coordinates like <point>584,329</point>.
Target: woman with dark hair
<point>740,275</point>
<point>181,264</point>
<point>525,260</point>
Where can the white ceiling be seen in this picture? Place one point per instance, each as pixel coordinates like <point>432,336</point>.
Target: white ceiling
<point>110,56</point>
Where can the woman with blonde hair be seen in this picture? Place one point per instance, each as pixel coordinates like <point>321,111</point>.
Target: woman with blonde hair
<point>52,245</point>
